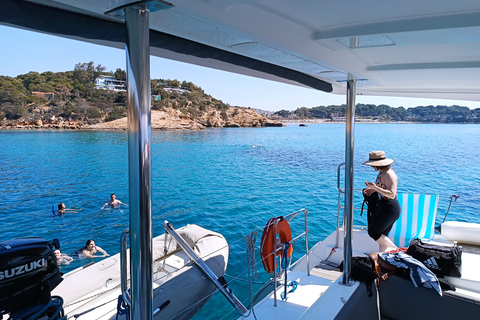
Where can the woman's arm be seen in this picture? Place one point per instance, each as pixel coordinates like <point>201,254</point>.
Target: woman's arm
<point>87,253</point>
<point>102,251</point>
<point>66,259</point>
<point>390,181</point>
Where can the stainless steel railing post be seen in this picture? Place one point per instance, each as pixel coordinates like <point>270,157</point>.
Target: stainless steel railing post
<point>306,243</point>
<point>139,159</point>
<point>348,215</point>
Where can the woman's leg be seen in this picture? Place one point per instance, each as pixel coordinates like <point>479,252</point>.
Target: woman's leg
<point>387,213</point>
<point>385,244</point>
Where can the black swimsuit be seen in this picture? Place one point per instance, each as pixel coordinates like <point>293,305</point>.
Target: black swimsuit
<point>388,211</point>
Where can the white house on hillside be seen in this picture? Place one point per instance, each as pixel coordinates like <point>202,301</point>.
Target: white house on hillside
<point>109,83</point>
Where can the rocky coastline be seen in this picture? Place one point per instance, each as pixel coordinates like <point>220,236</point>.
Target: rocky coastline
<point>167,119</point>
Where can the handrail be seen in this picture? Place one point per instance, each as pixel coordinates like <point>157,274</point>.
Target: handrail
<point>338,177</point>
<point>340,192</point>
<point>222,287</point>
<point>339,205</point>
<point>293,215</point>
<point>123,269</point>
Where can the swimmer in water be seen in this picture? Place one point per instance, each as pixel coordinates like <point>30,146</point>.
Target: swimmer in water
<point>114,202</point>
<point>62,209</point>
<point>91,249</point>
<point>62,258</point>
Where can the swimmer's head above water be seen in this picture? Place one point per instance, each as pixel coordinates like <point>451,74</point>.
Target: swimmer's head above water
<point>61,207</point>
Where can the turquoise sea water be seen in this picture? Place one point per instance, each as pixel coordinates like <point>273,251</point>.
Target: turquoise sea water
<point>228,180</point>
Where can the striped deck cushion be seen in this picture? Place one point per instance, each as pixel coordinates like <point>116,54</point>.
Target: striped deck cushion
<point>417,218</point>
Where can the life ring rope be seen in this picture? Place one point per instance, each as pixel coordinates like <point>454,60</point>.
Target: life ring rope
<point>272,240</point>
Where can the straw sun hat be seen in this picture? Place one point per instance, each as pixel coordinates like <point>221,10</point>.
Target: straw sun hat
<point>377,159</point>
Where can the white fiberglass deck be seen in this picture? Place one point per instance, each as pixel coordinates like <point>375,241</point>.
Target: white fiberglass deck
<point>309,290</point>
<point>306,298</point>
<point>320,295</point>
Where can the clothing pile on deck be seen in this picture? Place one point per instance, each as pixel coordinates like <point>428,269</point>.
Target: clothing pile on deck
<point>419,274</point>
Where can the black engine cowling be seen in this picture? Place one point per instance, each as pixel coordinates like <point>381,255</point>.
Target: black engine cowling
<point>28,272</point>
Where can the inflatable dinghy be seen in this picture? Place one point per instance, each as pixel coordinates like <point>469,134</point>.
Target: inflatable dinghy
<point>180,288</point>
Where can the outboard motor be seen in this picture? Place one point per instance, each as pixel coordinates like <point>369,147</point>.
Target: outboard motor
<point>28,272</point>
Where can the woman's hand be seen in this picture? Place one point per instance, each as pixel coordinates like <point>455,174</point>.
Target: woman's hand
<point>370,188</point>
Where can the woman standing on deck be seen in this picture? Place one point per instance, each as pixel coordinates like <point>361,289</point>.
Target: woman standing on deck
<point>388,208</point>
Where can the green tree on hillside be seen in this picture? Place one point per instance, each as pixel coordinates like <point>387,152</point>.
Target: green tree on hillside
<point>84,76</point>
<point>31,80</point>
<point>173,83</point>
<point>303,113</point>
<point>62,92</point>
<point>12,91</point>
<point>120,74</point>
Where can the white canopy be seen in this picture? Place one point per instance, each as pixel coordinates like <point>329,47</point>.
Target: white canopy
<point>408,48</point>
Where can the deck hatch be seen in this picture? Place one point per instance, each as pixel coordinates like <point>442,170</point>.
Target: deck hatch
<point>375,40</point>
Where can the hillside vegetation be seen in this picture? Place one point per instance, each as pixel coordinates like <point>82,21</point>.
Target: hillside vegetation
<point>385,113</point>
<point>76,103</point>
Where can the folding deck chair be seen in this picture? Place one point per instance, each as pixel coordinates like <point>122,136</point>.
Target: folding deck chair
<point>417,218</point>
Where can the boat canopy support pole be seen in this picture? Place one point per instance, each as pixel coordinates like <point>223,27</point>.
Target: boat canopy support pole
<point>348,213</point>
<point>139,159</point>
<point>221,285</point>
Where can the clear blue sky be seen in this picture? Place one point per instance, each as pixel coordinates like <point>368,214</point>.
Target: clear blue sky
<point>25,51</point>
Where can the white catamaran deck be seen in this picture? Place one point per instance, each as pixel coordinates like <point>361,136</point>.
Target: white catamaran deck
<point>322,293</point>
<point>309,289</point>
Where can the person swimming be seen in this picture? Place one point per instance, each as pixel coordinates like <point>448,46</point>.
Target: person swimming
<point>91,249</point>
<point>113,203</point>
<point>62,209</point>
<point>62,258</point>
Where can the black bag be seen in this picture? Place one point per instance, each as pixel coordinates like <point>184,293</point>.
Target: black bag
<point>371,202</point>
<point>441,260</point>
<point>363,270</point>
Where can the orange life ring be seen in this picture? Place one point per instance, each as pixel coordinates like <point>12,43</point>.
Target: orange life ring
<point>269,238</point>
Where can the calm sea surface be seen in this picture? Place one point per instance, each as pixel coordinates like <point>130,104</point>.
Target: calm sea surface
<point>228,180</point>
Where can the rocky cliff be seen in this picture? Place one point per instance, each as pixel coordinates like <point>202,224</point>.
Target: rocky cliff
<point>173,119</point>
<point>165,119</point>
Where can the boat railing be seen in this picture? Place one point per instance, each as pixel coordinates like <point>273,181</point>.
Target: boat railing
<point>340,192</point>
<point>123,269</point>
<point>276,249</point>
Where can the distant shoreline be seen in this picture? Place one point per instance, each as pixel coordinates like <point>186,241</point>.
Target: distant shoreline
<point>336,122</point>
<point>187,128</point>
